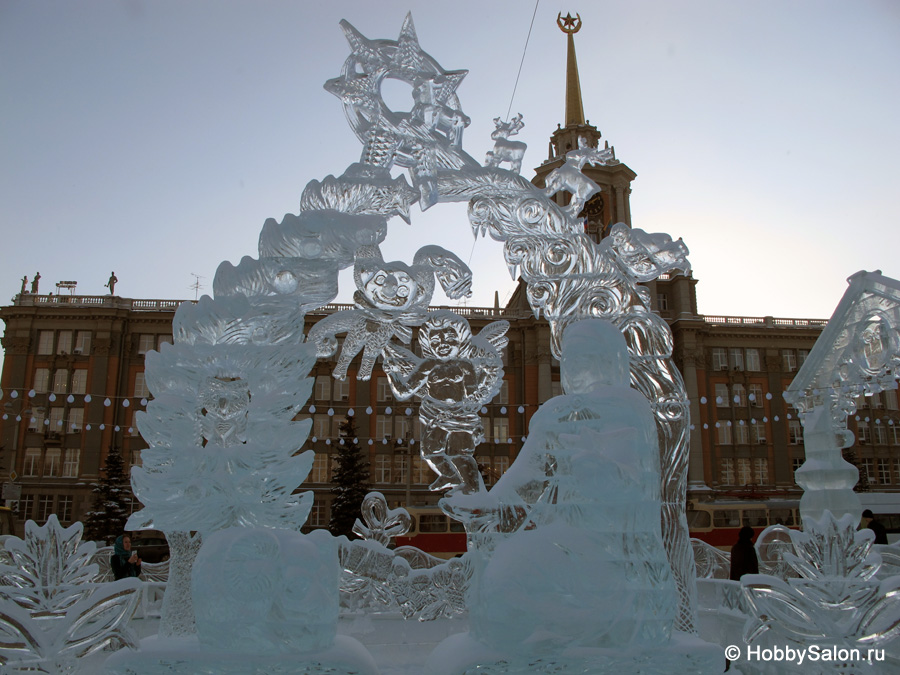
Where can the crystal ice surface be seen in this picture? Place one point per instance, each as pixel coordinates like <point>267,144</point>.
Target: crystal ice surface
<point>585,563</point>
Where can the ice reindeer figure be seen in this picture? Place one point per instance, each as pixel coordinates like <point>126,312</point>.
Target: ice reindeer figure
<point>834,602</point>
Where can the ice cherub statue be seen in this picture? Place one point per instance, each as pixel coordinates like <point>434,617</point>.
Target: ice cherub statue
<point>391,297</point>
<point>458,374</point>
<point>584,565</point>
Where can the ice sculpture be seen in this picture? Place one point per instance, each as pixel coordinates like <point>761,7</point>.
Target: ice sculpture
<point>457,376</point>
<point>390,298</point>
<point>584,564</point>
<point>53,616</point>
<point>506,150</point>
<point>835,600</point>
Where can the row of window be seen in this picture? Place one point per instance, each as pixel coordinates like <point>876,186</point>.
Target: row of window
<point>738,358</point>
<point>744,471</point>
<point>886,399</point>
<point>51,462</point>
<point>392,468</point>
<point>879,434</point>
<point>152,342</point>
<point>741,434</point>
<point>62,382</point>
<point>740,396</point>
<point>63,342</point>
<point>401,427</point>
<point>878,471</point>
<point>61,505</point>
<point>57,421</point>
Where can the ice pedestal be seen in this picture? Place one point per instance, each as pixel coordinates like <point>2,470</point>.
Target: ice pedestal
<point>265,601</point>
<point>684,654</point>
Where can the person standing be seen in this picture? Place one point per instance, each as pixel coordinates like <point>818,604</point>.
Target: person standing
<point>124,562</point>
<point>875,525</point>
<point>743,555</point>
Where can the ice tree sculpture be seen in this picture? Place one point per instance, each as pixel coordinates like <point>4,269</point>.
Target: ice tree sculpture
<point>835,601</point>
<point>457,375</point>
<point>53,616</point>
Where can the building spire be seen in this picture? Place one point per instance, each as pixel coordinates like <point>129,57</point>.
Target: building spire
<point>574,107</point>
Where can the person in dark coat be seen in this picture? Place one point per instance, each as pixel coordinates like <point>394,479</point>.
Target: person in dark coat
<point>876,527</point>
<point>743,555</point>
<point>124,562</point>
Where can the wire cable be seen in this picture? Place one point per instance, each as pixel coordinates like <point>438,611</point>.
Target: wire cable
<point>522,62</point>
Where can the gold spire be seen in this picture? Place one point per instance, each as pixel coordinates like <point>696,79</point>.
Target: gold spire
<point>574,108</point>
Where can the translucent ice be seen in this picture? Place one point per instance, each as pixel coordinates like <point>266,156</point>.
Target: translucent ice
<point>584,563</point>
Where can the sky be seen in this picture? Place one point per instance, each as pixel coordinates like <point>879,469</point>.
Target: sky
<point>154,138</point>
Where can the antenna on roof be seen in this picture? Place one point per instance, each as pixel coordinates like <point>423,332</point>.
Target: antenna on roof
<point>196,285</point>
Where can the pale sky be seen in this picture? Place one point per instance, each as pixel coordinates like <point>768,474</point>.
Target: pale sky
<point>154,138</point>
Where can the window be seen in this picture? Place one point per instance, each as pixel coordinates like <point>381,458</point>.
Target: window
<point>741,434</point>
<point>756,517</point>
<point>64,508</point>
<point>501,429</point>
<point>383,392</point>
<point>761,469</point>
<point>698,520</point>
<point>76,419</point>
<point>323,388</point>
<point>402,427</point>
<point>753,359</point>
<point>875,401</point>
<point>726,518</point>
<point>319,471</point>
<point>422,473</point>
<point>36,421</point>
<point>140,386</point>
<point>781,517</point>
<point>723,431</point>
<point>64,342</point>
<point>758,432</point>
<point>863,435</point>
<point>796,463</point>
<point>146,343</point>
<point>736,358</point>
<point>719,358</point>
<point>26,507</point>
<point>321,426</point>
<point>890,399</point>
<point>41,379</point>
<point>501,464</point>
<point>726,469</point>
<point>880,434</point>
<point>70,466</point>
<point>744,477</point>
<point>740,395</point>
<point>56,419</point>
<point>884,471</point>
<point>45,508</point>
<point>662,302</point>
<point>802,354</point>
<point>867,467</point>
<point>895,432</point>
<point>82,343</point>
<point>31,467</point>
<point>341,389</point>
<point>382,427</point>
<point>382,468</point>
<point>45,342</point>
<point>502,396</point>
<point>52,459</point>
<point>164,339</point>
<point>400,464</point>
<point>755,395</point>
<point>897,469</point>
<point>721,394</point>
<point>317,515</point>
<point>432,522</point>
<point>556,388</point>
<point>788,360</point>
<point>60,381</point>
<point>79,381</point>
<point>795,432</point>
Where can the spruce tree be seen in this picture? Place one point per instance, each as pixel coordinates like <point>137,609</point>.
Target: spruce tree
<point>351,478</point>
<point>862,484</point>
<point>112,501</point>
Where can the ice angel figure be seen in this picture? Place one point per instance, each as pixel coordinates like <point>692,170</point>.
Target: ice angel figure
<point>391,297</point>
<point>457,376</point>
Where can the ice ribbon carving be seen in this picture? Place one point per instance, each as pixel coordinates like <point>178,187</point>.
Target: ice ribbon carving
<point>835,599</point>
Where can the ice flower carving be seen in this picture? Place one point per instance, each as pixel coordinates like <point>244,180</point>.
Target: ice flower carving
<point>222,441</point>
<point>381,524</point>
<point>52,615</point>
